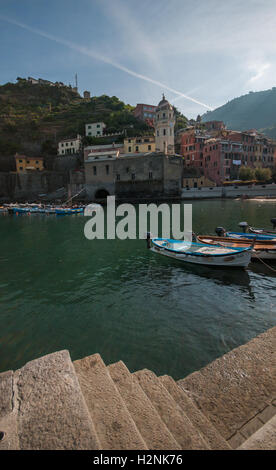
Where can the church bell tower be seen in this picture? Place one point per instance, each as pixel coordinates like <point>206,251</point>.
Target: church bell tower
<point>164,127</point>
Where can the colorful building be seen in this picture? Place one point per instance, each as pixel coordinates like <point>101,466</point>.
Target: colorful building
<point>221,154</point>
<point>145,112</point>
<point>24,163</point>
<point>142,144</point>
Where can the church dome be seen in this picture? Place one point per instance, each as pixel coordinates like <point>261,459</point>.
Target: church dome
<point>164,104</point>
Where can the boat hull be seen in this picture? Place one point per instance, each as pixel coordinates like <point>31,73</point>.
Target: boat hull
<point>234,258</point>
<point>250,236</point>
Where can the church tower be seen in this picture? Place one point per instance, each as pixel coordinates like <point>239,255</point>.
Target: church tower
<point>164,127</point>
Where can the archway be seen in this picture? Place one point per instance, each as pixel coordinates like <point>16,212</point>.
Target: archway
<point>101,194</point>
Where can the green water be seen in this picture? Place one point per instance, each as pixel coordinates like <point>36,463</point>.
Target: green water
<point>61,291</point>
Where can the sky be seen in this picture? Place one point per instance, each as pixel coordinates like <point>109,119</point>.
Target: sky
<point>199,53</point>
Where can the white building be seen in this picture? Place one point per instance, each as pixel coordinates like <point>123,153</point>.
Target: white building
<point>95,129</point>
<point>164,127</point>
<point>69,146</point>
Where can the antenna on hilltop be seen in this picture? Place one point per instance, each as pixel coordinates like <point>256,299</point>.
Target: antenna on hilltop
<point>76,80</point>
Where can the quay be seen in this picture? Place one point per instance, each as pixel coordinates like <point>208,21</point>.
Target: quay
<point>54,403</point>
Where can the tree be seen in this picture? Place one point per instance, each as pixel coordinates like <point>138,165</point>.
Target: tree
<point>246,173</point>
<point>263,174</point>
<point>273,174</point>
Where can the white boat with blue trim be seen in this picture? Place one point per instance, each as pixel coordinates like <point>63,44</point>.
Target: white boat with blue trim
<point>202,253</point>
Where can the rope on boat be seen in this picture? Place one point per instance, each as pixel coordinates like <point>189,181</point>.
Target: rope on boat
<point>74,195</point>
<point>267,265</point>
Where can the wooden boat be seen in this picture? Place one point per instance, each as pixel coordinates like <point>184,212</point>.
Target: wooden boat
<point>262,231</point>
<point>201,253</point>
<point>264,249</point>
<point>250,236</point>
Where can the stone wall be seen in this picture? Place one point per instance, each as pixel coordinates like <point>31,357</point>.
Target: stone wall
<point>30,186</point>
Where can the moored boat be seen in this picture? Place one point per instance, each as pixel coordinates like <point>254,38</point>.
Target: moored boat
<point>221,232</point>
<point>201,253</point>
<point>263,249</point>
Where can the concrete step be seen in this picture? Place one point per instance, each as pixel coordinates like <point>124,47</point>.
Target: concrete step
<point>236,387</point>
<point>153,430</point>
<point>211,436</point>
<point>51,411</point>
<point>114,425</point>
<point>263,439</point>
<point>170,412</point>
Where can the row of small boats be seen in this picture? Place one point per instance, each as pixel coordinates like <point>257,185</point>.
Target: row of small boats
<point>231,249</point>
<point>40,209</point>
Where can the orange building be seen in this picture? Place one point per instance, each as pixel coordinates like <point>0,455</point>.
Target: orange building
<point>24,163</point>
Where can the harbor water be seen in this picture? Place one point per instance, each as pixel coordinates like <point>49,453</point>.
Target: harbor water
<point>59,290</point>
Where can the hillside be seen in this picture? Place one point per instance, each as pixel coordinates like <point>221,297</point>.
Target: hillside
<point>34,117</point>
<point>256,110</point>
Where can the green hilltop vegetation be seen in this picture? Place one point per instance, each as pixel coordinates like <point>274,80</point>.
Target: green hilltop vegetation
<point>256,110</point>
<point>34,117</point>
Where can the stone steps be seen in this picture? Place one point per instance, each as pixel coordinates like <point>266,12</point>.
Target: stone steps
<point>52,403</point>
<point>45,408</point>
<point>171,414</point>
<point>153,430</point>
<point>263,439</point>
<point>113,423</point>
<point>211,436</point>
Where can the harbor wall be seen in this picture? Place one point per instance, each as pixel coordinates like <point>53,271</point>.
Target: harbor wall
<point>29,186</point>
<point>266,190</point>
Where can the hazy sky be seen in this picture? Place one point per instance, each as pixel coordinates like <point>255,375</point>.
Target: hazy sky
<point>200,53</point>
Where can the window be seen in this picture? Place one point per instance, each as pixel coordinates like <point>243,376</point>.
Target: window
<point>28,161</point>
<point>88,127</point>
<point>118,177</point>
<point>107,169</point>
<point>129,149</point>
<point>133,176</point>
<point>37,162</point>
<point>98,132</point>
<point>127,169</point>
<point>94,170</point>
<point>98,125</point>
<point>150,175</point>
<point>164,131</point>
<point>20,161</point>
<point>62,145</point>
<point>149,147</point>
<point>157,133</point>
<point>137,148</point>
<point>21,168</point>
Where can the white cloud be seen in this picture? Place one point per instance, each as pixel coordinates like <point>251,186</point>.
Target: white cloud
<point>259,70</point>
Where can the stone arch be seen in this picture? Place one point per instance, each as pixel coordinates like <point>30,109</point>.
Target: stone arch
<point>101,193</point>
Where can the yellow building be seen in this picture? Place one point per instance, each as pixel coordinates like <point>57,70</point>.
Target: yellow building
<point>143,144</point>
<point>189,182</point>
<point>24,163</point>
